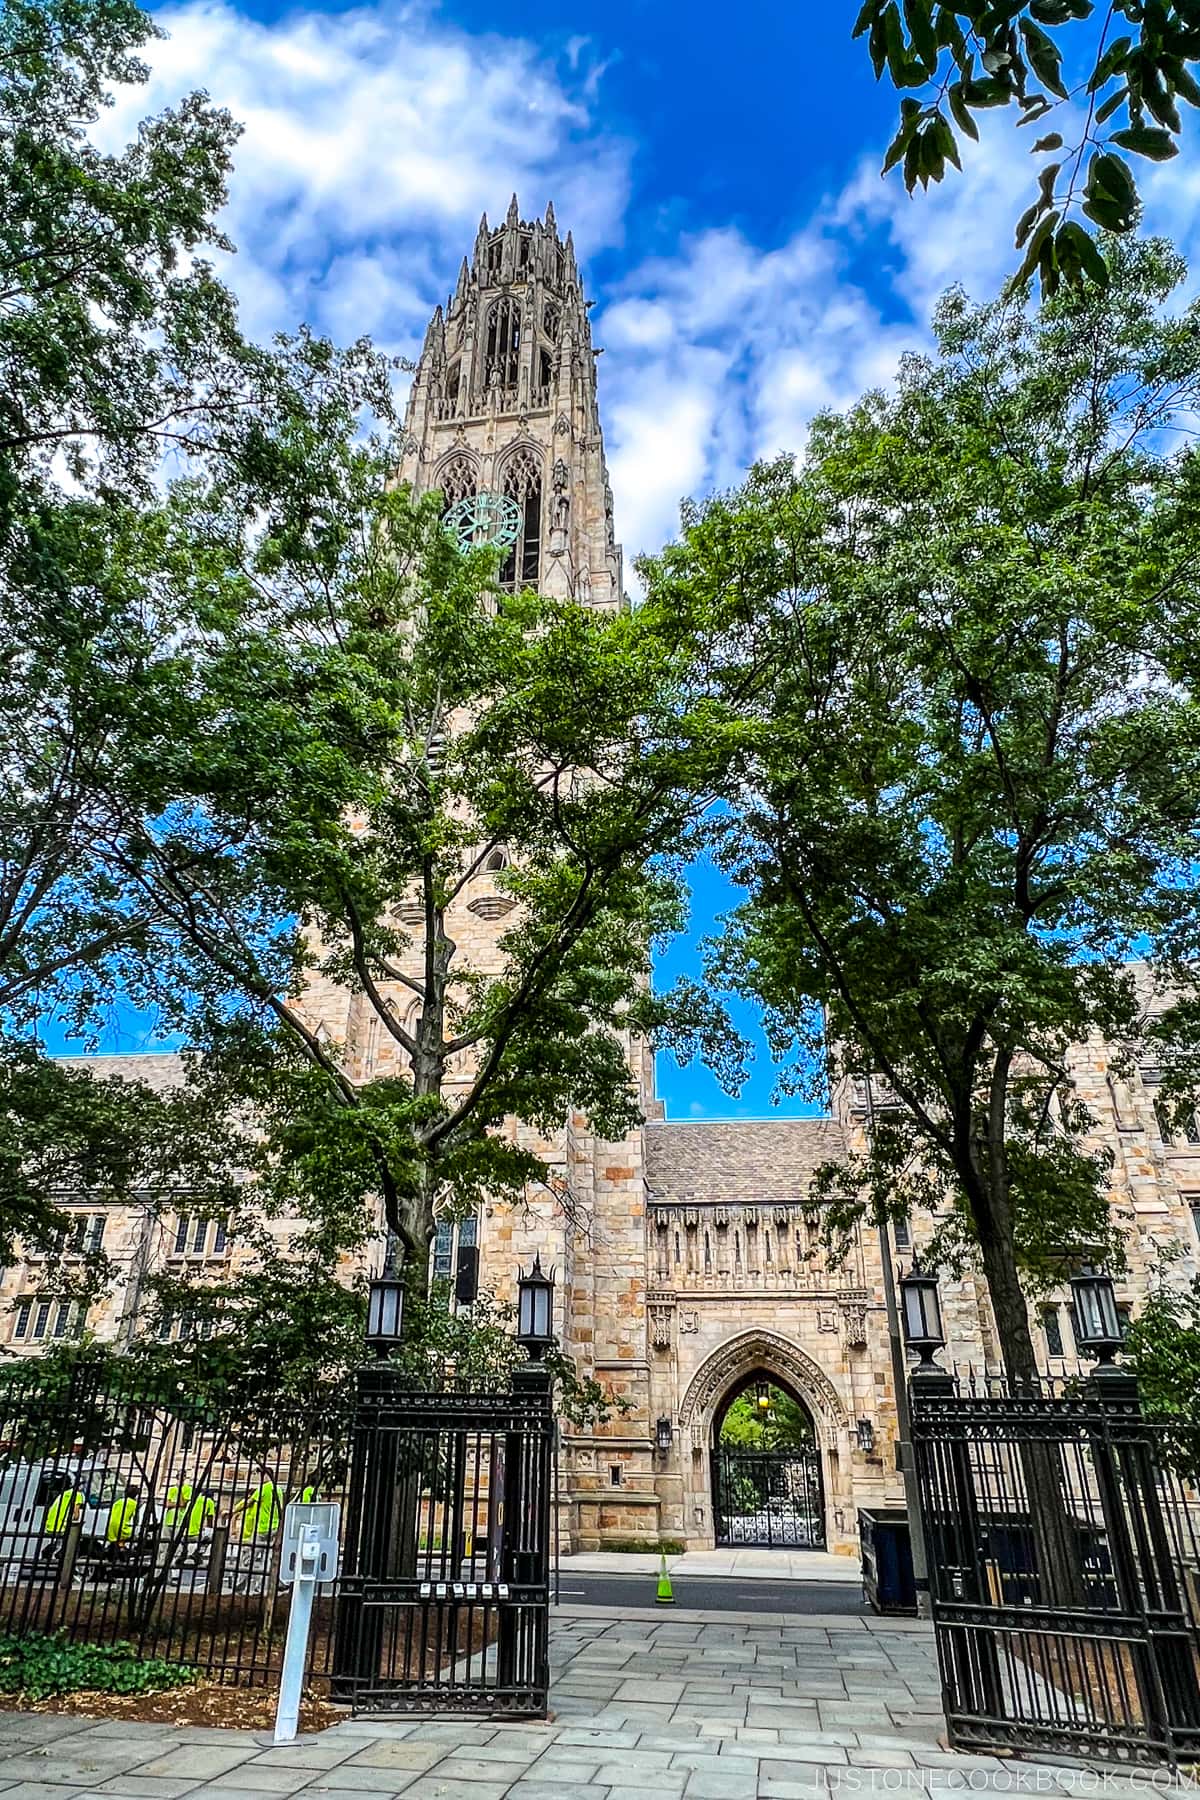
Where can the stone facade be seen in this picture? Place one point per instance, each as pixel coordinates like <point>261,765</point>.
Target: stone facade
<point>687,1256</point>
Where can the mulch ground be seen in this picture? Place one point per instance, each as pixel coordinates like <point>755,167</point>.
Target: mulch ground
<point>213,1704</point>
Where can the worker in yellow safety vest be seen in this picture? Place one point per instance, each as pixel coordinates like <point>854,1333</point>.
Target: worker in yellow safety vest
<point>187,1508</point>
<point>121,1516</point>
<point>66,1510</point>
<point>257,1516</point>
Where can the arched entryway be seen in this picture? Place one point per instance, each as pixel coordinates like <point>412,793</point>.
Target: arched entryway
<point>766,1468</point>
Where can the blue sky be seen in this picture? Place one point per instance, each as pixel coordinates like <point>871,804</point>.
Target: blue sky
<point>719,169</point>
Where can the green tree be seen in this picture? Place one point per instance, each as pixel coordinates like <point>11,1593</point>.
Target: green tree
<point>784,1425</point>
<point>394,728</point>
<point>971,794</point>
<point>1162,1348</point>
<point>1110,76</point>
<point>119,348</point>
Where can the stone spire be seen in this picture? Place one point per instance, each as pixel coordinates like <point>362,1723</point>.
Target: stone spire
<point>505,403</point>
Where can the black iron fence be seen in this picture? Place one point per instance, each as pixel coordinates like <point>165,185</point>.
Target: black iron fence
<point>138,1513</point>
<point>445,1590</point>
<point>130,1514</point>
<point>1064,1553</point>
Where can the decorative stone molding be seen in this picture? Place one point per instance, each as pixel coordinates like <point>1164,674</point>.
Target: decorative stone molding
<point>491,906</point>
<point>410,912</point>
<point>854,1320</point>
<point>778,1356</point>
<point>660,1326</point>
<point>689,1322</point>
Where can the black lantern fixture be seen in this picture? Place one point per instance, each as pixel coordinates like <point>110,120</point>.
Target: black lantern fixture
<point>385,1314</point>
<point>922,1315</point>
<point>535,1310</point>
<point>762,1396</point>
<point>662,1436</point>
<point>866,1436</point>
<point>1096,1319</point>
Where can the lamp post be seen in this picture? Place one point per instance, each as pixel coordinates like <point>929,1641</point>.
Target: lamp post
<point>535,1311</point>
<point>385,1315</point>
<point>912,1498</point>
<point>1097,1321</point>
<point>922,1319</point>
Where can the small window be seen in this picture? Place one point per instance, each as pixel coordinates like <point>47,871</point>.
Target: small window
<point>21,1322</point>
<point>443,1250</point>
<point>96,1233</point>
<point>1125,1314</point>
<point>903,1233</point>
<point>181,1234</point>
<point>497,860</point>
<point>614,1474</point>
<point>41,1319</point>
<point>199,1236</point>
<point>1192,1202</point>
<point>1052,1331</point>
<point>220,1237</point>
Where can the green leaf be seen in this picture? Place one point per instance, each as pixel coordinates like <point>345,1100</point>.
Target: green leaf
<point>918,18</point>
<point>1045,57</point>
<point>870,12</point>
<point>1184,83</point>
<point>949,35</point>
<point>947,143</point>
<point>961,111</point>
<point>1111,105</point>
<point>1027,221</point>
<point>1081,247</point>
<point>893,39</point>
<point>1104,211</point>
<point>1046,180</point>
<point>1144,140</point>
<point>996,91</point>
<point>1111,175</point>
<point>910,114</point>
<point>1109,64</point>
<point>1033,252</point>
<point>1053,141</point>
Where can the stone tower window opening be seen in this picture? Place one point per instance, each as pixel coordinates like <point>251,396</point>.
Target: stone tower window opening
<point>495,253</point>
<point>552,321</point>
<point>524,244</point>
<point>545,377</point>
<point>523,483</point>
<point>452,374</point>
<point>458,480</point>
<point>502,354</point>
<point>497,860</point>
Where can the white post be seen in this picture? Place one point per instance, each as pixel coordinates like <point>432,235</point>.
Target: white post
<point>295,1649</point>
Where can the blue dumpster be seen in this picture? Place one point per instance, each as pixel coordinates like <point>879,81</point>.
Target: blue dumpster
<point>887,1565</point>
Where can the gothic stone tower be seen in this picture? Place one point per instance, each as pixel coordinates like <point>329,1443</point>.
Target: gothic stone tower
<point>504,403</point>
<point>503,419</point>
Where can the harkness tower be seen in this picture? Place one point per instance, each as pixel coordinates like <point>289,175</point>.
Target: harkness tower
<point>503,409</point>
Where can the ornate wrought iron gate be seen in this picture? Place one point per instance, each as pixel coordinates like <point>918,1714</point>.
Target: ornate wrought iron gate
<point>768,1498</point>
<point>444,1599</point>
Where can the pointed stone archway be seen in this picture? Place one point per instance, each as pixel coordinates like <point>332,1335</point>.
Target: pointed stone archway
<point>728,1369</point>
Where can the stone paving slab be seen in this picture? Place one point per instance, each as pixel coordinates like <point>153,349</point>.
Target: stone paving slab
<point>644,1708</point>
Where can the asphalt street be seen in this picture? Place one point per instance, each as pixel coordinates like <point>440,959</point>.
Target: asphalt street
<point>713,1593</point>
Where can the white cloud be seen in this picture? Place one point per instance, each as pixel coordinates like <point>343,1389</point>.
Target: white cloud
<point>723,352</point>
<point>373,140</point>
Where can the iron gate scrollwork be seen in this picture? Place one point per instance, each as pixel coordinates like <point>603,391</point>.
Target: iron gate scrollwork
<point>768,1498</point>
<point>444,1598</point>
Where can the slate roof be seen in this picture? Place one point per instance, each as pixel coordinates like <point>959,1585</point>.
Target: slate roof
<point>159,1069</point>
<point>738,1159</point>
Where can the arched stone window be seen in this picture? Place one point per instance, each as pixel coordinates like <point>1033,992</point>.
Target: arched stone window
<point>503,353</point>
<point>497,860</point>
<point>523,483</point>
<point>452,383</point>
<point>457,478</point>
<point>551,321</point>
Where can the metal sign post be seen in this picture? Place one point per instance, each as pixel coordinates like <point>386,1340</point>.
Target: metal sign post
<point>309,1555</point>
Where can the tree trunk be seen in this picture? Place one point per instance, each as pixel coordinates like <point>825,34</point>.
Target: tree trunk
<point>1055,1540</point>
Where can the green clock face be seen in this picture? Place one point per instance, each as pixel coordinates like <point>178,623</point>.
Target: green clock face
<point>478,519</point>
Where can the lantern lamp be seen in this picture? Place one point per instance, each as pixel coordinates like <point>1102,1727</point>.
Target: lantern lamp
<point>866,1436</point>
<point>922,1315</point>
<point>385,1315</point>
<point>762,1396</point>
<point>535,1311</point>
<point>662,1436</point>
<point>1096,1319</point>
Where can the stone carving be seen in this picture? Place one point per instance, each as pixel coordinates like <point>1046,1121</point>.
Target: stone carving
<point>491,906</point>
<point>760,1350</point>
<point>827,1319</point>
<point>854,1320</point>
<point>562,425</point>
<point>689,1322</point>
<point>660,1327</point>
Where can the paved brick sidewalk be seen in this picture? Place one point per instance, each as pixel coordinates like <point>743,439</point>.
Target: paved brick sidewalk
<point>646,1708</point>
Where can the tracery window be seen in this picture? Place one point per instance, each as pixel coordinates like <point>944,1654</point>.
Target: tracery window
<point>452,383</point>
<point>457,479</point>
<point>523,483</point>
<point>503,351</point>
<point>552,321</point>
